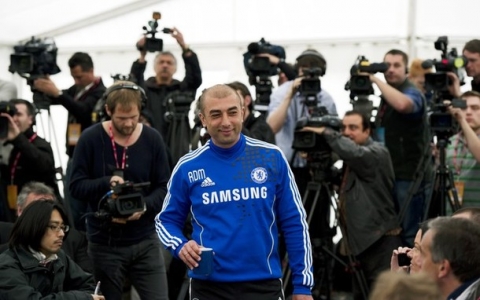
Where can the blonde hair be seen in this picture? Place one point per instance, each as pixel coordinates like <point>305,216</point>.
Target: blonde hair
<point>402,286</point>
<point>416,68</point>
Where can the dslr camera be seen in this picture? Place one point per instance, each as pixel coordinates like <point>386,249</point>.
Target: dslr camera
<point>35,59</point>
<point>8,108</point>
<point>123,200</point>
<point>259,70</point>
<point>153,44</point>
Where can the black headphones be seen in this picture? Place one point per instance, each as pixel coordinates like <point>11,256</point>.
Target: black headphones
<point>312,52</point>
<point>129,86</point>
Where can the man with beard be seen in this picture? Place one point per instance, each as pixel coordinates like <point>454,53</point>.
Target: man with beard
<point>111,153</point>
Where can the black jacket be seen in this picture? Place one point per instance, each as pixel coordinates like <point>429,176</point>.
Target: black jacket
<point>368,200</point>
<point>258,128</point>
<point>22,277</point>
<point>80,110</point>
<point>75,245</point>
<point>36,162</point>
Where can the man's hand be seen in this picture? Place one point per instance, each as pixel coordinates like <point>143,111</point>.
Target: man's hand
<point>454,111</point>
<point>176,34</point>
<point>13,130</point>
<point>98,297</point>
<point>46,86</point>
<point>143,52</point>
<point>190,254</point>
<point>317,130</point>
<point>272,58</point>
<point>116,180</point>
<point>454,87</point>
<point>302,297</point>
<point>294,87</point>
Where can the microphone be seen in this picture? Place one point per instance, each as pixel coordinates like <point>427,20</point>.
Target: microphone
<point>427,64</point>
<point>254,48</point>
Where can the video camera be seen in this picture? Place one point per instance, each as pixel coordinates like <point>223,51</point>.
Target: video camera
<point>123,200</point>
<point>310,86</point>
<point>177,104</point>
<point>153,44</point>
<point>438,81</point>
<point>259,70</point>
<point>360,86</point>
<point>35,59</point>
<point>8,108</point>
<point>441,121</point>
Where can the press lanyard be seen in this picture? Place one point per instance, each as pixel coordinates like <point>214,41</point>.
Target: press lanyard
<point>17,158</point>
<point>114,147</point>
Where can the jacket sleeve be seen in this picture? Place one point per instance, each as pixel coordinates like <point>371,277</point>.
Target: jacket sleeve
<point>293,225</point>
<point>360,159</point>
<point>170,221</point>
<point>193,73</point>
<point>37,154</point>
<point>287,70</point>
<point>137,71</point>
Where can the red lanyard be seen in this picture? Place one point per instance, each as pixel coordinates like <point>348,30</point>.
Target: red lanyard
<point>17,158</point>
<point>114,147</point>
<point>458,167</point>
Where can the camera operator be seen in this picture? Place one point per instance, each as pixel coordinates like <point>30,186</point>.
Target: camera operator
<point>79,100</point>
<point>165,66</point>
<point>463,150</point>
<point>367,209</point>
<point>287,107</point>
<point>254,123</point>
<point>108,154</point>
<point>471,51</point>
<point>31,158</point>
<point>402,125</point>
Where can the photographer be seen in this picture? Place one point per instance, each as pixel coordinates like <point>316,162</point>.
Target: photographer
<point>109,154</point>
<point>471,51</point>
<point>367,209</point>
<point>402,125</point>
<point>31,158</point>
<point>287,107</point>
<point>463,150</point>
<point>158,87</point>
<point>79,100</point>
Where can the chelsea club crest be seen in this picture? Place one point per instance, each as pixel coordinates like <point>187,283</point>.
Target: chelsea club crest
<point>259,175</point>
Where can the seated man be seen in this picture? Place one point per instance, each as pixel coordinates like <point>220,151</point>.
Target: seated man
<point>34,266</point>
<point>75,243</point>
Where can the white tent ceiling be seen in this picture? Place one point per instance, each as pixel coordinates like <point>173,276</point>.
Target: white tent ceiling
<point>220,30</point>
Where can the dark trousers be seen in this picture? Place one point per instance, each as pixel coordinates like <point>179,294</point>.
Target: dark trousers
<point>373,261</point>
<point>415,212</point>
<point>142,264</point>
<point>77,207</point>
<point>251,290</point>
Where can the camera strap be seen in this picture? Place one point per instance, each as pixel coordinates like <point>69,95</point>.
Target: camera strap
<point>114,148</point>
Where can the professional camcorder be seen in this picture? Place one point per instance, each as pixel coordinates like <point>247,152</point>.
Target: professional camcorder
<point>310,86</point>
<point>177,104</point>
<point>153,44</point>
<point>438,81</point>
<point>360,84</point>
<point>259,70</point>
<point>35,59</point>
<point>123,200</point>
<point>441,121</point>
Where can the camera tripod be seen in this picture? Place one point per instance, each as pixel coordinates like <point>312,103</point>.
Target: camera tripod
<point>444,186</point>
<point>322,287</point>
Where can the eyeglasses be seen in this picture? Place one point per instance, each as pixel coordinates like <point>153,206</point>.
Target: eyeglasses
<point>57,228</point>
